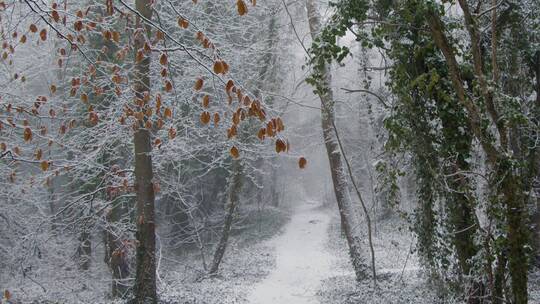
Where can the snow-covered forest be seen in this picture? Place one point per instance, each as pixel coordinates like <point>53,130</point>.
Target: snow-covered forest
<point>278,151</point>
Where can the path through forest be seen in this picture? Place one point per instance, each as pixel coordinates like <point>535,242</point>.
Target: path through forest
<point>302,259</point>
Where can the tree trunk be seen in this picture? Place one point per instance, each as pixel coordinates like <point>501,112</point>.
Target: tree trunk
<point>510,189</point>
<point>274,194</point>
<point>234,197</point>
<point>145,277</point>
<point>267,77</point>
<point>115,251</point>
<point>499,280</point>
<point>514,201</point>
<point>84,251</point>
<point>346,211</point>
<point>535,168</point>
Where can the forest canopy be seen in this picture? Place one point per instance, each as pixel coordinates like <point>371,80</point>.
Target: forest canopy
<point>235,151</point>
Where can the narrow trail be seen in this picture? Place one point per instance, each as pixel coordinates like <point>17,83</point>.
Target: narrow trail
<point>302,260</point>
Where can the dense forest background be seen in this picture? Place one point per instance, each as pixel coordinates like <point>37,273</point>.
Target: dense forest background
<point>301,151</point>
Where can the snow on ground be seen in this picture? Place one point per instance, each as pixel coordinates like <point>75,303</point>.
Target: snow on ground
<point>243,268</point>
<point>534,287</point>
<point>312,265</point>
<point>302,262</point>
<point>400,279</point>
<point>274,260</point>
<point>249,258</point>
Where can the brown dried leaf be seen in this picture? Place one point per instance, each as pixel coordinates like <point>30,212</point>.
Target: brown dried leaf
<point>231,132</point>
<point>116,36</point>
<point>206,101</point>
<point>43,34</point>
<point>78,25</point>
<point>172,133</point>
<point>229,86</point>
<point>198,84</point>
<point>205,117</point>
<point>160,35</point>
<point>280,126</point>
<point>302,162</point>
<point>55,16</point>
<point>281,146</point>
<point>27,134</point>
<point>242,7</point>
<point>163,59</point>
<point>234,152</point>
<point>167,113</point>
<point>183,23</point>
<point>158,102</point>
<point>168,86</point>
<point>219,67</point>
<point>236,118</point>
<point>261,134</point>
<point>84,97</point>
<point>148,124</point>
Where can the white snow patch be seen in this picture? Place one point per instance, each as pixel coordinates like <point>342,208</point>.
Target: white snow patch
<point>302,260</point>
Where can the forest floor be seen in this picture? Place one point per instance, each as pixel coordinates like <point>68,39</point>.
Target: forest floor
<point>302,262</point>
<point>312,264</point>
<point>249,258</point>
<point>278,256</point>
<point>400,279</point>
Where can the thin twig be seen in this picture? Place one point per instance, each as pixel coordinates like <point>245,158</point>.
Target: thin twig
<point>294,29</point>
<point>348,91</point>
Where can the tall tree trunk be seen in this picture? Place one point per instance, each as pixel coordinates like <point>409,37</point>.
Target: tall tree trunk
<point>346,210</point>
<point>115,251</point>
<point>266,75</point>
<point>265,80</point>
<point>460,203</point>
<point>232,203</point>
<point>274,194</point>
<point>535,161</point>
<point>52,207</point>
<point>514,201</point>
<point>507,177</point>
<point>145,277</point>
<point>84,251</point>
<point>499,280</point>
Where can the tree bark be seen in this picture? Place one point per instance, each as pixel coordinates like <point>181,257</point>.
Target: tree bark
<point>479,69</point>
<point>513,198</point>
<point>233,200</point>
<point>341,191</point>
<point>267,77</point>
<point>84,251</point>
<point>535,161</point>
<point>145,277</point>
<point>115,251</point>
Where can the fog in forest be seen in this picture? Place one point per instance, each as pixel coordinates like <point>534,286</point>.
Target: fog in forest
<point>270,152</point>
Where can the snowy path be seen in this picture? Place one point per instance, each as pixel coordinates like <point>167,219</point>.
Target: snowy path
<point>302,260</point>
